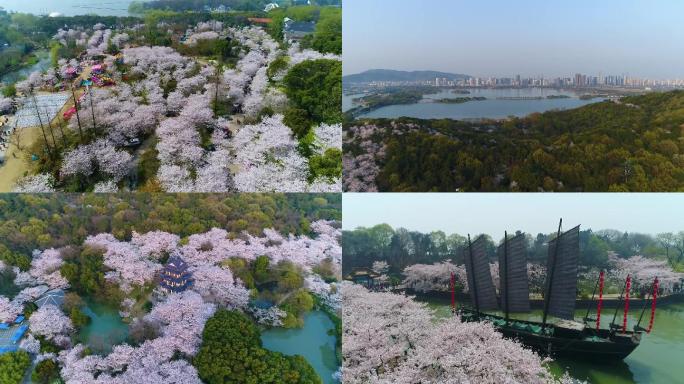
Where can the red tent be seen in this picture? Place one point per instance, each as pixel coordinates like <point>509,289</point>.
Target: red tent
<point>70,112</point>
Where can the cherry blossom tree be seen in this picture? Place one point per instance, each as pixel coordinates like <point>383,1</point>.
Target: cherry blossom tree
<point>101,153</point>
<point>120,39</point>
<point>23,279</point>
<point>30,294</point>
<point>254,101</point>
<point>381,268</point>
<point>217,285</point>
<point>268,155</point>
<point>182,317</point>
<point>196,37</point>
<point>329,293</point>
<point>150,364</point>
<point>49,321</point>
<point>129,265</point>
<point>30,344</point>
<point>298,55</point>
<point>175,102</point>
<point>45,269</point>
<point>643,271</point>
<point>6,105</point>
<point>211,25</point>
<point>155,244</point>
<point>41,183</point>
<point>106,187</point>
<point>434,277</point>
<point>9,309</point>
<point>360,171</point>
<point>390,338</point>
<point>126,306</point>
<point>272,317</point>
<point>328,136</point>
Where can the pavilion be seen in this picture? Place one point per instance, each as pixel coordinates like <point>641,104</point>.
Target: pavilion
<point>53,297</point>
<point>175,276</point>
<point>363,276</point>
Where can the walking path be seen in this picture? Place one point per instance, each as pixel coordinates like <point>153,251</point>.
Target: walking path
<point>16,167</point>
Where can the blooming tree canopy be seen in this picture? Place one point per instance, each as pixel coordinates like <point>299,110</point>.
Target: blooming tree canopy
<point>390,338</point>
<point>9,309</point>
<point>49,321</point>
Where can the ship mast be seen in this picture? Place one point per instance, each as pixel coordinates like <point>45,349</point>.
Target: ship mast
<point>472,276</point>
<point>552,267</point>
<point>506,273</point>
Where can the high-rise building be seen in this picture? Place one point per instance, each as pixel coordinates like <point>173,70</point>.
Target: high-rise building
<point>578,80</point>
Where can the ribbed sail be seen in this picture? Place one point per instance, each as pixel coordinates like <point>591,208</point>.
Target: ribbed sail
<point>513,275</point>
<point>563,258</point>
<point>482,291</point>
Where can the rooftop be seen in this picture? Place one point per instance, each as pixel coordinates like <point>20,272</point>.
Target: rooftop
<point>300,26</point>
<point>54,297</point>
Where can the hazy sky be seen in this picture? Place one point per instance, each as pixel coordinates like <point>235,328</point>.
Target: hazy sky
<point>528,37</point>
<point>493,213</point>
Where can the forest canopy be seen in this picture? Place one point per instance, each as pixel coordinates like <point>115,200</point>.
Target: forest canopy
<point>29,222</point>
<point>400,247</point>
<point>634,144</point>
<point>231,348</point>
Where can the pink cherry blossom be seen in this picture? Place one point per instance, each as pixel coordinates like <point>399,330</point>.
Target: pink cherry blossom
<point>41,183</point>
<point>9,309</point>
<point>390,338</point>
<point>217,285</point>
<point>49,321</point>
<point>155,244</point>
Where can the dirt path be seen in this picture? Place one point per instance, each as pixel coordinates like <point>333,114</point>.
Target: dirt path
<point>15,168</point>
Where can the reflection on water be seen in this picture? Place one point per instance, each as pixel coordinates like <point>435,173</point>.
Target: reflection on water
<point>493,108</point>
<point>105,330</point>
<point>659,358</point>
<point>312,342</point>
<point>69,7</point>
<point>42,65</point>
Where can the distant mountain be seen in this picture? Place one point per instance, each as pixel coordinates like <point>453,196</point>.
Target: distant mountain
<point>392,75</point>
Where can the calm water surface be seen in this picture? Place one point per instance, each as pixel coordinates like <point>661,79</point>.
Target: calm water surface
<point>659,358</point>
<point>69,7</point>
<point>105,330</point>
<point>492,108</point>
<point>312,342</point>
<point>42,65</point>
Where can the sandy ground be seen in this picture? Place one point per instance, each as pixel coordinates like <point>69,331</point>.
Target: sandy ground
<point>234,128</point>
<point>15,168</point>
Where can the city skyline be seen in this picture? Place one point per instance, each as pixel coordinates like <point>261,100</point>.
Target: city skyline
<point>533,213</point>
<point>553,40</point>
<point>586,78</point>
<point>576,80</point>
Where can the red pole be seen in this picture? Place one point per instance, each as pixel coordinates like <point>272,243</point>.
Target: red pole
<point>600,302</point>
<point>624,317</point>
<point>453,291</point>
<point>653,305</point>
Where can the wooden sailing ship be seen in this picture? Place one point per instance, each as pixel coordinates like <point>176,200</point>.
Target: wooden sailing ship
<point>564,336</point>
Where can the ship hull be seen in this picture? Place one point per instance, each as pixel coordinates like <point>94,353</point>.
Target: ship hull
<point>589,344</point>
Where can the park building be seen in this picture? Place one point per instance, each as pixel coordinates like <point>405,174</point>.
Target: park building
<point>295,31</point>
<point>175,276</point>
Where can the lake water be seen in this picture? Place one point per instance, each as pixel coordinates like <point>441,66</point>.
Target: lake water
<point>42,65</point>
<point>105,330</point>
<point>69,7</point>
<point>348,101</point>
<point>657,360</point>
<point>491,108</point>
<point>312,342</point>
